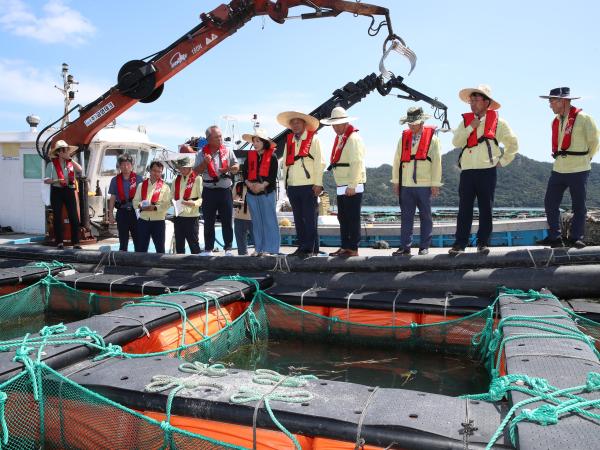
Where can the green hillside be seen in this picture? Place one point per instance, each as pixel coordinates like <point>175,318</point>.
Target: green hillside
<point>521,184</point>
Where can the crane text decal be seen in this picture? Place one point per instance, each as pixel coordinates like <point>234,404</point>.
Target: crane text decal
<point>207,41</point>
<point>177,59</point>
<point>102,111</point>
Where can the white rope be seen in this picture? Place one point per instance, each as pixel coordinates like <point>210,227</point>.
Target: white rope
<point>360,442</point>
<point>532,258</point>
<point>394,308</point>
<point>114,281</point>
<point>144,285</point>
<point>83,277</point>
<point>14,273</point>
<point>448,295</point>
<point>348,301</point>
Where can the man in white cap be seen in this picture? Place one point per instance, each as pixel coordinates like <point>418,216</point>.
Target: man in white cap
<point>416,176</point>
<point>574,143</point>
<point>187,190</point>
<point>348,164</point>
<point>479,136</point>
<point>303,175</point>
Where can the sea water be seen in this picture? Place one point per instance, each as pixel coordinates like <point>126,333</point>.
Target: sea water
<point>389,368</point>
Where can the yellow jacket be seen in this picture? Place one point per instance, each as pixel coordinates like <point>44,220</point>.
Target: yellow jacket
<point>353,154</point>
<point>295,175</point>
<point>583,138</point>
<point>189,211</point>
<point>162,205</point>
<point>429,173</point>
<point>477,157</point>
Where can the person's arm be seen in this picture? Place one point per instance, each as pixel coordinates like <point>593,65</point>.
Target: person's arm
<point>201,162</point>
<point>356,152</point>
<point>273,170</point>
<point>396,168</point>
<point>76,166</point>
<point>461,134</point>
<point>234,165</point>
<point>591,136</point>
<point>511,146</point>
<point>137,198</point>
<point>435,153</point>
<point>111,208</point>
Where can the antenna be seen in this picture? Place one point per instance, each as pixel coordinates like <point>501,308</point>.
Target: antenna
<point>67,91</point>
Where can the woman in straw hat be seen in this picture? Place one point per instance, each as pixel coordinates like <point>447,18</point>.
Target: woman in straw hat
<point>348,164</point>
<point>303,175</point>
<point>187,190</point>
<point>479,136</point>
<point>260,174</point>
<point>60,175</point>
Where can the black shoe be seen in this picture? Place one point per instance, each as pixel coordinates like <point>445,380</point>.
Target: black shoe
<point>483,249</point>
<point>456,249</point>
<point>77,247</point>
<point>295,252</point>
<point>577,243</point>
<point>60,246</point>
<point>552,243</point>
<point>423,251</point>
<point>301,254</point>
<point>402,252</point>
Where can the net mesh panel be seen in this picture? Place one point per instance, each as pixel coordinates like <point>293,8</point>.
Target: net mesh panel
<point>68,416</point>
<point>452,337</point>
<point>29,309</point>
<point>587,326</point>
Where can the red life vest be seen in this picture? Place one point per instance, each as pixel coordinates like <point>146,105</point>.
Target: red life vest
<point>265,164</point>
<point>336,152</point>
<point>61,175</point>
<point>132,187</point>
<point>157,188</point>
<point>223,155</point>
<point>188,187</point>
<point>566,142</point>
<point>424,144</point>
<point>489,132</point>
<point>304,151</point>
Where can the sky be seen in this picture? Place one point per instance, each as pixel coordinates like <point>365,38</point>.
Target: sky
<point>521,49</point>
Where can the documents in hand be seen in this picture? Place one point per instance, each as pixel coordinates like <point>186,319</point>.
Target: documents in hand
<point>46,194</point>
<point>178,206</point>
<point>341,190</point>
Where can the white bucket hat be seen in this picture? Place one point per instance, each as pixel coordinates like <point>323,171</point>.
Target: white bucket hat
<point>312,123</point>
<point>338,115</point>
<point>483,89</point>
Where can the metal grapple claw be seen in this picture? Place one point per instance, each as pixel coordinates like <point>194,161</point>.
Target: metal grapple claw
<point>397,45</point>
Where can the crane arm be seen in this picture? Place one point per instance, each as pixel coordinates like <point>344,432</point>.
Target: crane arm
<point>143,80</point>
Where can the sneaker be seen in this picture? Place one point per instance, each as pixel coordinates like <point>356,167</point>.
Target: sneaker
<point>228,253</point>
<point>338,252</point>
<point>206,253</point>
<point>456,249</point>
<point>349,253</point>
<point>548,242</point>
<point>483,249</point>
<point>254,253</point>
<point>60,246</point>
<point>402,252</point>
<point>577,243</point>
<point>423,251</point>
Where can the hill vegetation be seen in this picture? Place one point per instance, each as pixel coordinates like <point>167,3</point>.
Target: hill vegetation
<point>521,184</point>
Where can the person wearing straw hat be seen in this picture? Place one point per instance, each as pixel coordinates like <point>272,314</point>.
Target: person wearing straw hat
<point>187,195</point>
<point>348,164</point>
<point>152,200</point>
<point>416,176</point>
<point>122,190</point>
<point>574,144</point>
<point>60,175</point>
<point>303,175</point>
<point>479,137</point>
<point>260,174</point>
<point>217,164</point>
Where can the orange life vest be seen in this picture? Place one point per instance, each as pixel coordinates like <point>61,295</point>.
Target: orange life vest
<point>132,187</point>
<point>566,142</point>
<point>424,144</point>
<point>157,188</point>
<point>188,187</point>
<point>254,171</point>
<point>60,174</point>
<point>489,132</point>
<point>338,147</point>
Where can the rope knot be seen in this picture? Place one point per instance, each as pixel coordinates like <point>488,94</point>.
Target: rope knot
<point>544,415</point>
<point>22,353</point>
<point>53,329</point>
<point>83,332</point>
<point>592,382</point>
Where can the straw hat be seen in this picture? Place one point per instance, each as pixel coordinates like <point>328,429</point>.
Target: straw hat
<point>338,115</point>
<point>62,144</point>
<point>312,123</point>
<point>483,89</point>
<point>414,115</point>
<point>259,133</point>
<point>560,92</point>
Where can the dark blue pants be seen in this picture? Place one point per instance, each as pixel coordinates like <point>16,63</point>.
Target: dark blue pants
<point>126,225</point>
<point>305,209</point>
<point>349,219</point>
<point>242,229</point>
<point>412,198</point>
<point>154,229</point>
<point>480,183</point>
<point>557,185</point>
<point>186,229</point>
<point>217,200</point>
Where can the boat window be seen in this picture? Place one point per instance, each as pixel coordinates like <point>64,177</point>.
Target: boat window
<point>32,167</point>
<point>108,166</point>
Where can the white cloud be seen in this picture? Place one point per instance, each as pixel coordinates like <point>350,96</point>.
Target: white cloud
<point>57,22</point>
<point>23,83</point>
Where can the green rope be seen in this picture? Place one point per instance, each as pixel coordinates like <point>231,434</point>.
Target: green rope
<point>3,398</point>
<point>271,378</point>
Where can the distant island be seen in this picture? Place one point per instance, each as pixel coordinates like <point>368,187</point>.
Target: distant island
<point>521,184</point>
